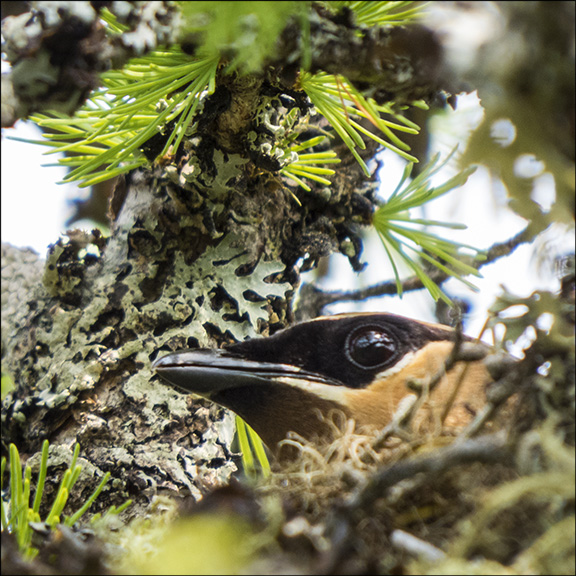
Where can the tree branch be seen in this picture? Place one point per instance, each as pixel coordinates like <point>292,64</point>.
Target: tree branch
<point>314,300</point>
<point>488,450</point>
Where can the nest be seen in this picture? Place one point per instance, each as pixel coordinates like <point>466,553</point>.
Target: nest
<point>494,498</point>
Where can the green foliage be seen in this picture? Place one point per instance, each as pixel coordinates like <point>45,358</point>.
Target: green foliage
<point>157,95</point>
<point>143,111</point>
<point>252,450</point>
<point>247,30</point>
<point>529,141</point>
<point>400,232</point>
<point>310,164</point>
<point>218,543</point>
<point>339,102</point>
<point>17,512</point>
<point>538,310</point>
<point>7,384</point>
<point>380,13</point>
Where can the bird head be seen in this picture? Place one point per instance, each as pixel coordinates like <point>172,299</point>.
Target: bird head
<point>359,364</point>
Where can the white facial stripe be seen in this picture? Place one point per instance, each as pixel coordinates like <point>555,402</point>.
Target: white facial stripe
<point>400,365</point>
<point>338,393</point>
<point>325,391</point>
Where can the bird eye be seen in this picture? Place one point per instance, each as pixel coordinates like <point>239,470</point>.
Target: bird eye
<point>371,347</point>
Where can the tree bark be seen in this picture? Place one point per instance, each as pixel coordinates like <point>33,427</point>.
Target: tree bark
<point>203,251</point>
<point>182,268</point>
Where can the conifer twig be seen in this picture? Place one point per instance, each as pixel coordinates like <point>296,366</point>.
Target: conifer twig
<point>314,300</point>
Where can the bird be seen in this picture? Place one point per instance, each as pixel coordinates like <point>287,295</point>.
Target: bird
<point>357,363</point>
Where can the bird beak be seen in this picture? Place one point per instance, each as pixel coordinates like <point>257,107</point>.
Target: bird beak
<point>207,372</point>
<point>274,398</point>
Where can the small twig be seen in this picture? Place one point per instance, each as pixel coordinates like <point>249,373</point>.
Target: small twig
<point>509,377</point>
<point>416,547</point>
<point>461,352</point>
<point>314,300</point>
<point>488,449</point>
<point>455,356</point>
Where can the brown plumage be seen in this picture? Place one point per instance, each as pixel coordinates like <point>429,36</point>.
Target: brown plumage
<point>359,364</point>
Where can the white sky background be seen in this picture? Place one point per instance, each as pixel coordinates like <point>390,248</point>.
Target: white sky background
<point>34,206</point>
<point>481,205</point>
<point>34,209</point>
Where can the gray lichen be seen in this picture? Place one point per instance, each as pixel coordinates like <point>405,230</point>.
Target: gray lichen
<point>58,49</point>
<point>82,358</point>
